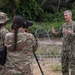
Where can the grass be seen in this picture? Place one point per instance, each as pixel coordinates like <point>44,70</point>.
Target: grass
<point>56,68</point>
<point>50,50</point>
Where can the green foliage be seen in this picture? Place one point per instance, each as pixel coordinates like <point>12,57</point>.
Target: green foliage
<point>8,25</point>
<point>56,17</point>
<point>45,26</point>
<point>29,9</point>
<point>73,10</point>
<point>48,17</point>
<point>37,10</point>
<point>3,2</point>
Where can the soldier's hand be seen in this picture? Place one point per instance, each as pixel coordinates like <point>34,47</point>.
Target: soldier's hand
<point>53,30</point>
<point>68,31</point>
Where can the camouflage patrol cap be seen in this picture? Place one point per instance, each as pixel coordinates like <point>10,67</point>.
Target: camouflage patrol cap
<point>3,17</point>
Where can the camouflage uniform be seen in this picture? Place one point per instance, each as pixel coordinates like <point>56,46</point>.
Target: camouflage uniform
<point>3,19</point>
<point>68,48</point>
<point>3,31</point>
<point>19,62</point>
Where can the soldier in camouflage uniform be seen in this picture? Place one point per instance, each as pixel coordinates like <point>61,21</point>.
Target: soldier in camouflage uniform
<point>67,30</point>
<point>3,21</point>
<point>21,46</point>
<point>3,31</point>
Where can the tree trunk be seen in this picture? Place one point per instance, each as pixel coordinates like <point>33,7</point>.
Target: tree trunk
<point>58,5</point>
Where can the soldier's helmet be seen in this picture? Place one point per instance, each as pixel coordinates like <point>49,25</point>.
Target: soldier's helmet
<point>3,17</point>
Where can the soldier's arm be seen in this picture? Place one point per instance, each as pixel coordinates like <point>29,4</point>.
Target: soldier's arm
<point>4,32</point>
<point>73,33</point>
<point>34,42</point>
<point>59,32</point>
<point>8,41</point>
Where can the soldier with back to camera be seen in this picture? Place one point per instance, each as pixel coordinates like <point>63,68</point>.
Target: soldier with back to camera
<point>67,30</point>
<point>21,46</point>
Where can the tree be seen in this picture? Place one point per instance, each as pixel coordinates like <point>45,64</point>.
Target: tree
<point>51,6</point>
<point>58,5</point>
<point>11,4</point>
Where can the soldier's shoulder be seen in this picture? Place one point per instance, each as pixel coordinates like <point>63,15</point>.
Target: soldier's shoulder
<point>63,25</point>
<point>9,35</point>
<point>4,29</point>
<point>28,35</point>
<point>73,22</point>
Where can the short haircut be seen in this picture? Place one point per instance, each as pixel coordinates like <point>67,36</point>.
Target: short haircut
<point>68,11</point>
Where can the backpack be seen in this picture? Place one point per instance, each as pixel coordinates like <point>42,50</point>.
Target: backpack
<point>3,52</point>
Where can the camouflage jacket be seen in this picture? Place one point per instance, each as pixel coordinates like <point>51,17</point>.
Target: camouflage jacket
<point>68,40</point>
<point>3,32</point>
<point>24,41</point>
<point>26,44</point>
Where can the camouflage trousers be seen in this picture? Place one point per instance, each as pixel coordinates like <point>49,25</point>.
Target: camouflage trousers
<point>6,71</point>
<point>16,67</point>
<point>68,62</point>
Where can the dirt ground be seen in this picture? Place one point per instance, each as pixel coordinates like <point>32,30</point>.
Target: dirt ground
<point>47,67</point>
